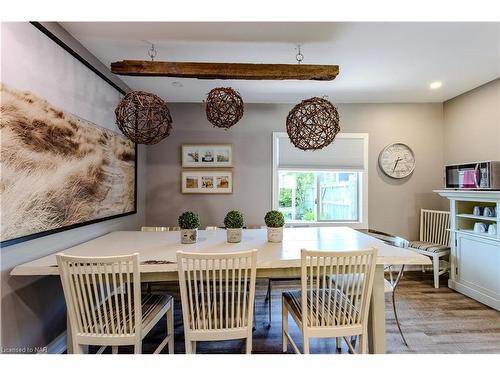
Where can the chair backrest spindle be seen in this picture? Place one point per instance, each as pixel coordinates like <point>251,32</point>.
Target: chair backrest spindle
<point>217,290</point>
<point>434,227</point>
<point>336,287</point>
<point>103,294</point>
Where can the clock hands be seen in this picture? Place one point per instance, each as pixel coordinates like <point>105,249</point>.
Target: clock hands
<point>396,163</point>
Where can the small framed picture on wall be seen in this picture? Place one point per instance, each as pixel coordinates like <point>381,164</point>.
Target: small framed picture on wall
<point>207,182</point>
<point>207,155</point>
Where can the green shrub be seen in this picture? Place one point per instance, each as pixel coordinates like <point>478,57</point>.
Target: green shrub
<point>274,219</point>
<point>189,220</point>
<point>308,216</point>
<point>234,219</point>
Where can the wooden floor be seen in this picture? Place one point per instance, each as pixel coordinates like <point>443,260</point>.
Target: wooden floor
<point>433,320</point>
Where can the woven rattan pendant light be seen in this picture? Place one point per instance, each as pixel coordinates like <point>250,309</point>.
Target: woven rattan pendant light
<point>312,124</point>
<point>224,107</point>
<point>143,118</point>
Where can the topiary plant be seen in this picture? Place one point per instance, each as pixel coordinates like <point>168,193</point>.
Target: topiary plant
<point>234,219</point>
<point>274,219</point>
<point>189,220</point>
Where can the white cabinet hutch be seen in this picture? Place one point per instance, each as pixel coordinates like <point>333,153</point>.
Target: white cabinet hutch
<point>475,257</point>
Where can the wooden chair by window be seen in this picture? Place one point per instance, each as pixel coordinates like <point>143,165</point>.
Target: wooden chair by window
<point>331,306</point>
<point>434,239</point>
<point>217,293</point>
<point>105,306</point>
<point>154,229</point>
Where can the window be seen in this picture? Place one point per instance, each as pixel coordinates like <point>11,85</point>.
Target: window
<point>306,196</point>
<point>326,186</point>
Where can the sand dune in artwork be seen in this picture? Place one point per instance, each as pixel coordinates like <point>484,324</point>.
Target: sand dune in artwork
<point>56,169</point>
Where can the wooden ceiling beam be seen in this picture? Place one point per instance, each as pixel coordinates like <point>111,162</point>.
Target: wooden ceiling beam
<point>203,70</point>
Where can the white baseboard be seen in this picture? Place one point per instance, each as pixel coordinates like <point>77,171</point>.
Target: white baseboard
<point>474,294</point>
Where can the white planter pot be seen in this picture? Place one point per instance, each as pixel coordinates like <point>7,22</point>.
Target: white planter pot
<point>233,235</point>
<point>275,234</point>
<point>189,236</point>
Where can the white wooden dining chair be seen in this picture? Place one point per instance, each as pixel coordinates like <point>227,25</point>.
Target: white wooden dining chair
<point>328,306</point>
<point>434,240</point>
<point>155,229</point>
<point>105,306</point>
<point>217,294</point>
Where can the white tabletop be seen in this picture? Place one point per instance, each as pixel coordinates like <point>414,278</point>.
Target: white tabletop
<point>162,246</point>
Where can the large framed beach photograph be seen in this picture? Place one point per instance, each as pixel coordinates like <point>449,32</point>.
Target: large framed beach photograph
<point>64,163</point>
<point>207,182</point>
<point>207,155</point>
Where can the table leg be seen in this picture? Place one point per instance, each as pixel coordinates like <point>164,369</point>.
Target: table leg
<point>376,317</point>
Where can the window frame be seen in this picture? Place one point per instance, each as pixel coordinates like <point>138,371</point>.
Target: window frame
<point>362,221</point>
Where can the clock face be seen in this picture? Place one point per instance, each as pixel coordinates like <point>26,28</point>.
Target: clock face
<point>397,160</point>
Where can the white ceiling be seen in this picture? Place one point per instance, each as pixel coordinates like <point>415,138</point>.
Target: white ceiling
<point>379,62</point>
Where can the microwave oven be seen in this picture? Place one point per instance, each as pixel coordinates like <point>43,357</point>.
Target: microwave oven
<point>484,175</point>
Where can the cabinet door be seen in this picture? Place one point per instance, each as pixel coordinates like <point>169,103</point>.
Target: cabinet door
<point>478,262</point>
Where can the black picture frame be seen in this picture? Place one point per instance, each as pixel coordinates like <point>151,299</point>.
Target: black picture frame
<point>77,56</point>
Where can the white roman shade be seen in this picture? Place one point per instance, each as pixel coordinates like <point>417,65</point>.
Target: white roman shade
<point>346,152</point>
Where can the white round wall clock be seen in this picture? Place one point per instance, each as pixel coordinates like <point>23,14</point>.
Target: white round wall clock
<point>397,160</point>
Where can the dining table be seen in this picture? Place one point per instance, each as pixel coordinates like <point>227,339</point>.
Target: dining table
<point>157,254</point>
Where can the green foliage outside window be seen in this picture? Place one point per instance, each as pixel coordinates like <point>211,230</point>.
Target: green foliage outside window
<point>305,183</point>
<point>308,216</point>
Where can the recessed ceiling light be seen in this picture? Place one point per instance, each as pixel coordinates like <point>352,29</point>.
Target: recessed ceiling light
<point>435,85</point>
<point>176,84</point>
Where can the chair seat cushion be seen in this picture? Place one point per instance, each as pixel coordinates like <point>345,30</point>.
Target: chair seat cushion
<point>113,308</point>
<point>429,246</point>
<point>225,311</point>
<point>328,312</point>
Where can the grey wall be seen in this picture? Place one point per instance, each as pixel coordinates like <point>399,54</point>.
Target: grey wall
<point>393,205</point>
<point>32,308</point>
<point>472,125</point>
